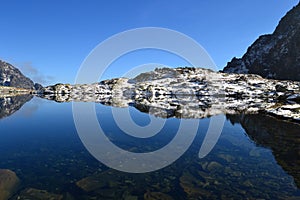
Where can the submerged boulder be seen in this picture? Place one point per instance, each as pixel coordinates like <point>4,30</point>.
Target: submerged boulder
<point>36,194</point>
<point>8,183</point>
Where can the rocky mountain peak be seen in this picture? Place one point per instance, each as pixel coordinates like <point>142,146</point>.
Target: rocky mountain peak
<point>275,55</point>
<point>11,76</point>
<point>290,22</point>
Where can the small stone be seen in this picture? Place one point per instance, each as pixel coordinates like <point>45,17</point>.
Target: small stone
<point>254,153</point>
<point>226,157</point>
<point>281,88</point>
<point>91,184</point>
<point>247,183</point>
<point>213,166</point>
<point>157,196</point>
<point>36,194</point>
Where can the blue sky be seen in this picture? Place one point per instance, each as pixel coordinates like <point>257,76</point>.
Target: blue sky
<point>48,40</point>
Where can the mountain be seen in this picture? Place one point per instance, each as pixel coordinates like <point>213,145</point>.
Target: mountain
<point>275,55</point>
<point>11,76</point>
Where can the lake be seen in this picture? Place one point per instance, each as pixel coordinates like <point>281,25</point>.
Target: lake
<point>255,157</point>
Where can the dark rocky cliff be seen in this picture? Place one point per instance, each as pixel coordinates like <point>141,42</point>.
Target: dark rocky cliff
<point>11,76</point>
<point>275,55</point>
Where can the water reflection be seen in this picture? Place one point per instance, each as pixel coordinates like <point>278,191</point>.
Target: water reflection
<point>10,104</point>
<point>166,106</point>
<point>282,137</point>
<point>239,166</point>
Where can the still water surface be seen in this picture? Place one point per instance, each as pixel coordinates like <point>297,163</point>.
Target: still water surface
<point>256,157</point>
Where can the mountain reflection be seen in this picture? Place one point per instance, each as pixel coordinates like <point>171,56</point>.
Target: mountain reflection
<point>282,137</point>
<point>10,104</point>
<point>166,106</point>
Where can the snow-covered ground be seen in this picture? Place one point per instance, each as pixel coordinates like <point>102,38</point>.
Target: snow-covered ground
<point>189,93</point>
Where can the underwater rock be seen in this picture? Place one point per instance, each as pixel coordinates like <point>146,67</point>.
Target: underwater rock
<point>214,166</point>
<point>128,196</point>
<point>157,196</point>
<point>229,158</point>
<point>36,194</point>
<point>109,184</point>
<point>193,186</point>
<point>8,183</point>
<point>92,183</point>
<point>119,185</point>
<point>254,152</point>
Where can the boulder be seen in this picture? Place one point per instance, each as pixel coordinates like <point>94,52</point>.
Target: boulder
<point>8,183</point>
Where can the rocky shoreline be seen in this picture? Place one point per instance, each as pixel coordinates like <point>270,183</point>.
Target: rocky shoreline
<point>6,91</point>
<point>188,93</point>
<point>183,93</point>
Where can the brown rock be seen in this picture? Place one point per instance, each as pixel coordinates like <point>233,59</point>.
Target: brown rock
<point>214,166</point>
<point>35,194</point>
<point>8,183</point>
<point>157,196</point>
<point>91,183</point>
